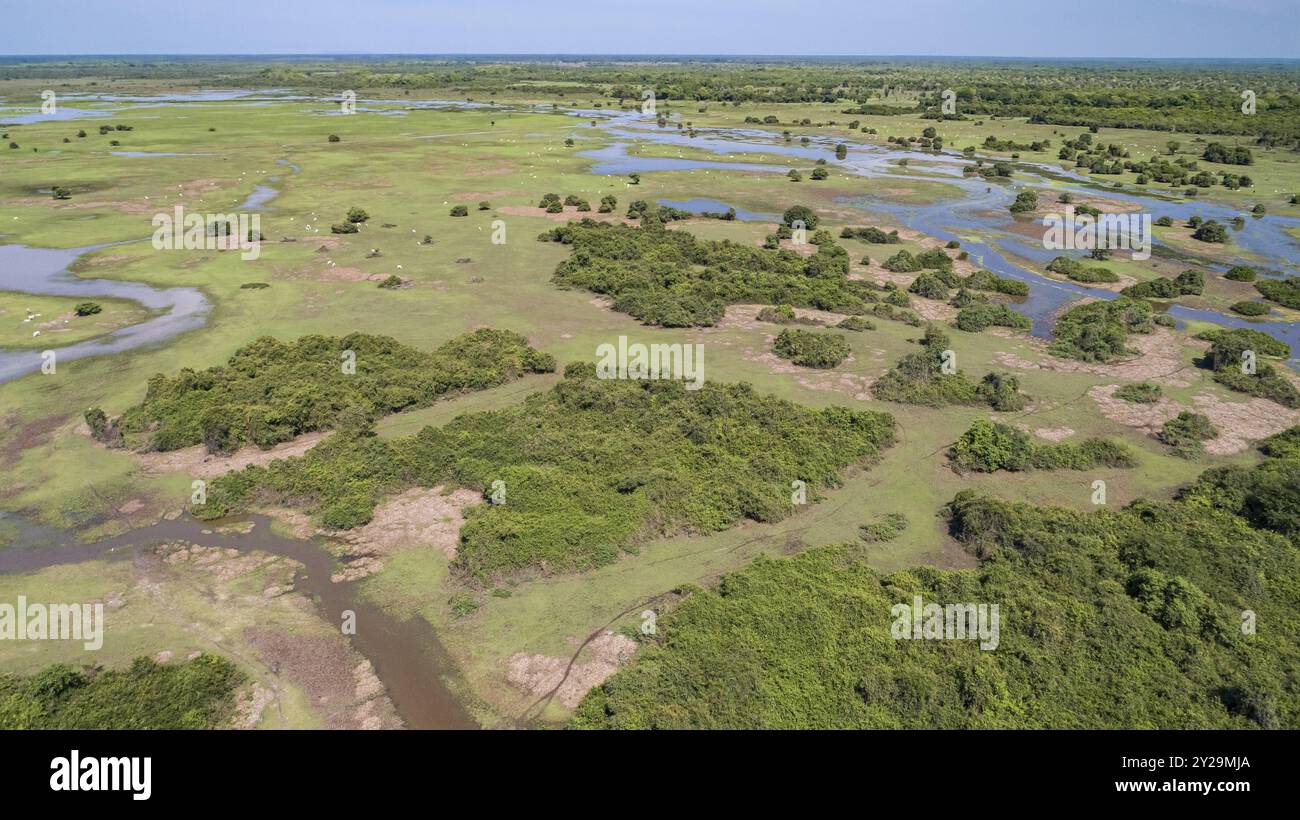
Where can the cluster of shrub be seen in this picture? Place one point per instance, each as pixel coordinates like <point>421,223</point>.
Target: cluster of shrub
<point>929,140</point>
<point>811,349</point>
<point>906,262</point>
<point>1113,159</point>
<point>1099,331</point>
<point>673,279</point>
<point>992,143</point>
<point>356,216</point>
<point>871,234</point>
<point>938,278</point>
<point>1285,292</point>
<point>271,391</point>
<point>1187,433</point>
<point>885,528</point>
<point>1187,283</point>
<point>988,446</point>
<point>1228,354</point>
<point>919,378</point>
<point>552,204</point>
<point>591,469</point>
<point>981,315</point>
<point>1140,393</point>
<point>1076,271</point>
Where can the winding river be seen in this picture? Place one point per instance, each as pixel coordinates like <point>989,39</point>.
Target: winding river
<point>980,219</point>
<point>406,655</point>
<point>47,271</point>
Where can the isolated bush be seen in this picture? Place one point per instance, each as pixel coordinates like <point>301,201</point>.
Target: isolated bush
<point>811,349</point>
<point>929,286</point>
<point>978,316</point>
<point>1285,292</point>
<point>800,213</point>
<point>855,323</point>
<point>1186,432</point>
<point>902,262</point>
<point>1249,308</point>
<point>1140,393</point>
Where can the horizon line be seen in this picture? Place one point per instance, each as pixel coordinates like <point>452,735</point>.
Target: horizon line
<point>629,55</point>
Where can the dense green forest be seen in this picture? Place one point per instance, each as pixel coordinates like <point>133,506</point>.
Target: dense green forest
<point>1167,95</point>
<point>589,469</point>
<point>1165,614</point>
<point>195,694</point>
<point>271,391</point>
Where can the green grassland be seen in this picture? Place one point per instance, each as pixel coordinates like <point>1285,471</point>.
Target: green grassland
<point>408,171</point>
<point>57,320</point>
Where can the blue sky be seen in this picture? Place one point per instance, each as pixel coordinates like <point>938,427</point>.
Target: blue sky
<point>1031,28</point>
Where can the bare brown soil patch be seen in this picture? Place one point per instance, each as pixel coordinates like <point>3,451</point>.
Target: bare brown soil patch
<point>543,674</point>
<point>101,260</point>
<point>229,564</point>
<point>1240,424</point>
<point>745,317</point>
<point>415,518</point>
<point>179,195</point>
<point>1053,434</point>
<point>1159,358</point>
<point>32,434</point>
<point>197,461</point>
<point>340,684</point>
<point>250,705</point>
<point>325,272</point>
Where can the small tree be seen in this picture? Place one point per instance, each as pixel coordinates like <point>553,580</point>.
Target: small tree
<point>357,215</point>
<point>1025,201</point>
<point>460,210</point>
<point>800,213</point>
<point>1211,231</point>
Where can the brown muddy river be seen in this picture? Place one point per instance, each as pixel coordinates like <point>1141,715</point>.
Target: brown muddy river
<point>406,655</point>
